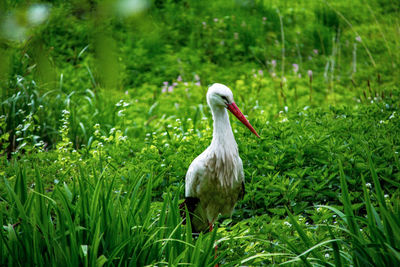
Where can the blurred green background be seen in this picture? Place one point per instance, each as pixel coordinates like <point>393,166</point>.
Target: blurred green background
<point>58,51</point>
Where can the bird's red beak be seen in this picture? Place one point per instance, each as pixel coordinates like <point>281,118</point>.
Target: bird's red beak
<point>238,114</point>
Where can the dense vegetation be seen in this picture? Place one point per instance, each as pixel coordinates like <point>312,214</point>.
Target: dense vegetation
<point>103,109</point>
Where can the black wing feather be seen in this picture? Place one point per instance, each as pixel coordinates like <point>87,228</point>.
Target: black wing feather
<point>243,192</point>
<point>190,203</point>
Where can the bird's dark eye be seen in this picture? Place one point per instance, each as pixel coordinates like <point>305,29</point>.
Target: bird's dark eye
<point>224,98</point>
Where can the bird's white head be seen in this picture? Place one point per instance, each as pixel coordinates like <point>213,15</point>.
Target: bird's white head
<point>220,96</point>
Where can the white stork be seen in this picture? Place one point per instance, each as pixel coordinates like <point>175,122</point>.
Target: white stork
<point>215,179</point>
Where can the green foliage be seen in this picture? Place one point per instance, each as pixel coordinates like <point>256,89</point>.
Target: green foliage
<point>103,110</point>
<point>88,221</point>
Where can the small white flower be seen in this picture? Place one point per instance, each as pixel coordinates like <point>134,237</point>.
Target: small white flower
<point>123,138</point>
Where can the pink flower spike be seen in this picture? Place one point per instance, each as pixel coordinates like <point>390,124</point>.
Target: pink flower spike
<point>358,39</point>
<point>198,83</point>
<point>264,18</point>
<point>179,79</point>
<point>273,63</point>
<point>165,83</point>
<point>164,90</point>
<point>315,51</point>
<point>215,19</point>
<point>295,68</point>
<point>196,77</point>
<point>309,72</point>
<point>174,84</point>
<point>260,72</point>
<point>170,89</point>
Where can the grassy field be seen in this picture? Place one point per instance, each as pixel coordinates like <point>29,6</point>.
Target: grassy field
<point>103,109</point>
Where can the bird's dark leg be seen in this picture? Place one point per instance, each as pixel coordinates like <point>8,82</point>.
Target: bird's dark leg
<point>216,246</point>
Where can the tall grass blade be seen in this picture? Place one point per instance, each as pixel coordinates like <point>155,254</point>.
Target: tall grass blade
<point>307,241</point>
<point>336,249</point>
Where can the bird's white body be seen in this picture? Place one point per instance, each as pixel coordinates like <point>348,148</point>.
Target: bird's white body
<point>216,176</point>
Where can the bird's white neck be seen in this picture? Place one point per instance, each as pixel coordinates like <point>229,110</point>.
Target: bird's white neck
<point>223,138</point>
<point>223,149</point>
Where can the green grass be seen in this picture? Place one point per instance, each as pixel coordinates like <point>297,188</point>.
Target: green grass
<point>102,113</point>
<point>87,222</point>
